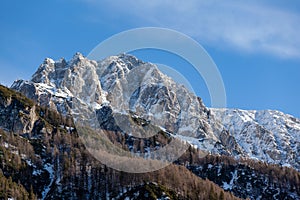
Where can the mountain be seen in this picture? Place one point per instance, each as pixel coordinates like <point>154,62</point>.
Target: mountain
<point>124,85</point>
<point>267,135</point>
<point>42,157</point>
<point>127,85</point>
<point>126,103</point>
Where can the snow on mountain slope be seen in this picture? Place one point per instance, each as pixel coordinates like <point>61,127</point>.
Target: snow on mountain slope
<point>124,85</point>
<point>267,135</point>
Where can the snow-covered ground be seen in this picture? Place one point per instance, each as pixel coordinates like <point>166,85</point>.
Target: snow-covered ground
<point>266,135</point>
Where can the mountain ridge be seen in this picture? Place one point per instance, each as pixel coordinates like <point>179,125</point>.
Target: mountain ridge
<point>281,132</point>
<point>105,93</point>
<point>50,162</point>
<point>154,100</point>
<point>57,83</point>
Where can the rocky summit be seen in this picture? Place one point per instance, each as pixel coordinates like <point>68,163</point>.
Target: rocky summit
<point>127,85</point>
<point>253,154</point>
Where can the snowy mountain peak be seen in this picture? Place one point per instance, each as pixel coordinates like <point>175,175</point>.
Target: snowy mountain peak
<point>124,85</point>
<point>48,61</point>
<point>61,63</point>
<point>46,68</point>
<point>125,61</point>
<point>125,58</point>
<point>78,57</point>
<point>266,135</point>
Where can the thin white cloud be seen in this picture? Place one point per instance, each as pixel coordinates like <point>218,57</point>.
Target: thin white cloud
<point>248,26</point>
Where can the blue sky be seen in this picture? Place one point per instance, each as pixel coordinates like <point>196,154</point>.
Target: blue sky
<point>255,44</point>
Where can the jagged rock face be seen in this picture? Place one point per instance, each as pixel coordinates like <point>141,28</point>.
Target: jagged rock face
<point>14,119</point>
<point>52,161</point>
<point>143,89</point>
<point>124,83</point>
<point>98,92</point>
<point>41,153</point>
<point>271,136</point>
<point>54,84</point>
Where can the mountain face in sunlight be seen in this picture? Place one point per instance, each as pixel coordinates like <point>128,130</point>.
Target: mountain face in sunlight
<point>237,150</point>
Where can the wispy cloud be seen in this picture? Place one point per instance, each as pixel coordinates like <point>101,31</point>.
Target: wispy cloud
<point>249,26</point>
